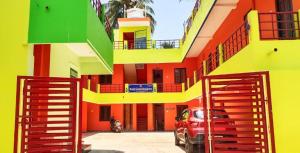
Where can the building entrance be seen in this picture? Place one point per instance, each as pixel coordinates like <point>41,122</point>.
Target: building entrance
<point>142,117</point>
<point>159,117</point>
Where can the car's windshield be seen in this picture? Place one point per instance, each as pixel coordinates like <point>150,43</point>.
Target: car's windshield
<point>199,114</point>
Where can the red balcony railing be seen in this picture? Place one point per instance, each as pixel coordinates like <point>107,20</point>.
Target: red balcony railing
<point>199,73</point>
<point>189,22</point>
<point>169,87</point>
<point>149,44</point>
<point>98,7</point>
<point>213,61</point>
<point>112,88</point>
<point>237,41</point>
<point>279,25</point>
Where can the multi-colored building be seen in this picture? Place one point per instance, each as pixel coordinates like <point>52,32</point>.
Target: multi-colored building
<point>146,83</point>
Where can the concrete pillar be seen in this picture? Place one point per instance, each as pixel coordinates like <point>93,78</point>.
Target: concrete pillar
<point>195,77</point>
<point>98,88</point>
<point>150,117</point>
<point>155,87</point>
<point>254,32</point>
<point>221,54</point>
<point>204,68</point>
<point>126,88</point>
<point>89,84</point>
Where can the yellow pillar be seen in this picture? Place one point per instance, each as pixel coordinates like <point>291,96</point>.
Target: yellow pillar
<point>98,88</point>
<point>188,82</point>
<point>221,56</point>
<point>126,88</point>
<point>195,77</point>
<point>297,32</point>
<point>125,44</point>
<point>89,84</point>
<point>204,68</point>
<point>155,87</point>
<point>182,87</point>
<point>254,34</point>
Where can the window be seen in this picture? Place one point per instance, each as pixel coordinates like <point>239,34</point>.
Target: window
<point>180,75</point>
<point>105,79</point>
<point>73,73</point>
<point>104,114</point>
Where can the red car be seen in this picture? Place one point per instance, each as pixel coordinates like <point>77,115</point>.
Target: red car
<point>189,128</point>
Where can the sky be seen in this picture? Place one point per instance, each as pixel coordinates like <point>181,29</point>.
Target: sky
<point>170,16</point>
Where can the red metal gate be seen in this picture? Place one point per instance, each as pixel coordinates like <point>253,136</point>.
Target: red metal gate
<point>238,113</point>
<point>48,115</point>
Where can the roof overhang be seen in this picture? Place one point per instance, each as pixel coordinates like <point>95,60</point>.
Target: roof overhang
<point>133,22</point>
<point>214,20</point>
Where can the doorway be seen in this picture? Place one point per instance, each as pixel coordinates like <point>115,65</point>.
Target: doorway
<point>158,78</point>
<point>142,117</point>
<point>127,117</point>
<point>129,37</point>
<point>159,117</point>
<point>285,19</point>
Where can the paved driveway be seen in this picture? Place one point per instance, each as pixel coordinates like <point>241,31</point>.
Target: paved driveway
<point>132,142</point>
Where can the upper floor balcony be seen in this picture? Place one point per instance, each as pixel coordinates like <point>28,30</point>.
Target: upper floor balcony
<point>253,46</point>
<point>205,19</point>
<point>81,25</point>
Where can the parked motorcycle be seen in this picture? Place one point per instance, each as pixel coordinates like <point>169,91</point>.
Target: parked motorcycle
<point>115,125</point>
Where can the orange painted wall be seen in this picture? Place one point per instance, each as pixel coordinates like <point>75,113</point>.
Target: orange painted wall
<point>236,19</point>
<point>93,110</point>
<point>168,69</point>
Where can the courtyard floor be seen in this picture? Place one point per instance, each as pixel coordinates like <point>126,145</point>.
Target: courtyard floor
<point>132,142</point>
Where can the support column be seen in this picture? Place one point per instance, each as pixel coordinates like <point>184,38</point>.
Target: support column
<point>254,32</point>
<point>221,54</point>
<point>41,55</point>
<point>204,68</point>
<point>150,117</point>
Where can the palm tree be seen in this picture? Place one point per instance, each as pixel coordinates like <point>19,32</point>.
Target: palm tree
<point>117,8</point>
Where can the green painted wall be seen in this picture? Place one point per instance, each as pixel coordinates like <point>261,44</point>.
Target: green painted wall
<point>69,21</point>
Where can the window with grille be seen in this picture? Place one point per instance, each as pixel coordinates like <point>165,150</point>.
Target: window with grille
<point>104,114</point>
<point>180,75</point>
<point>105,79</point>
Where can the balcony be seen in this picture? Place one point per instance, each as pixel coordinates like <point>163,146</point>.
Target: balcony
<point>149,44</point>
<point>126,52</point>
<point>81,25</point>
<point>279,26</point>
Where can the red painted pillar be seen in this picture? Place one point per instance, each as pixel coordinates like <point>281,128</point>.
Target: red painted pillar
<point>41,55</point>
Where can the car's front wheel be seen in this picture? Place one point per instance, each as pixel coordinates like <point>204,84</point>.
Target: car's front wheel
<point>189,148</point>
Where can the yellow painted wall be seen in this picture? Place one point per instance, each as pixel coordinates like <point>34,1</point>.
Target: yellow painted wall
<point>135,98</point>
<point>133,29</point>
<point>13,61</point>
<point>61,60</point>
<point>147,56</point>
<point>284,67</point>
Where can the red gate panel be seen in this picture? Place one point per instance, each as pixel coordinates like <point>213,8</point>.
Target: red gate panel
<point>238,113</point>
<point>48,115</point>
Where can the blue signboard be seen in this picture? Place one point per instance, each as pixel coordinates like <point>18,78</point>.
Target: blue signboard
<point>140,88</point>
